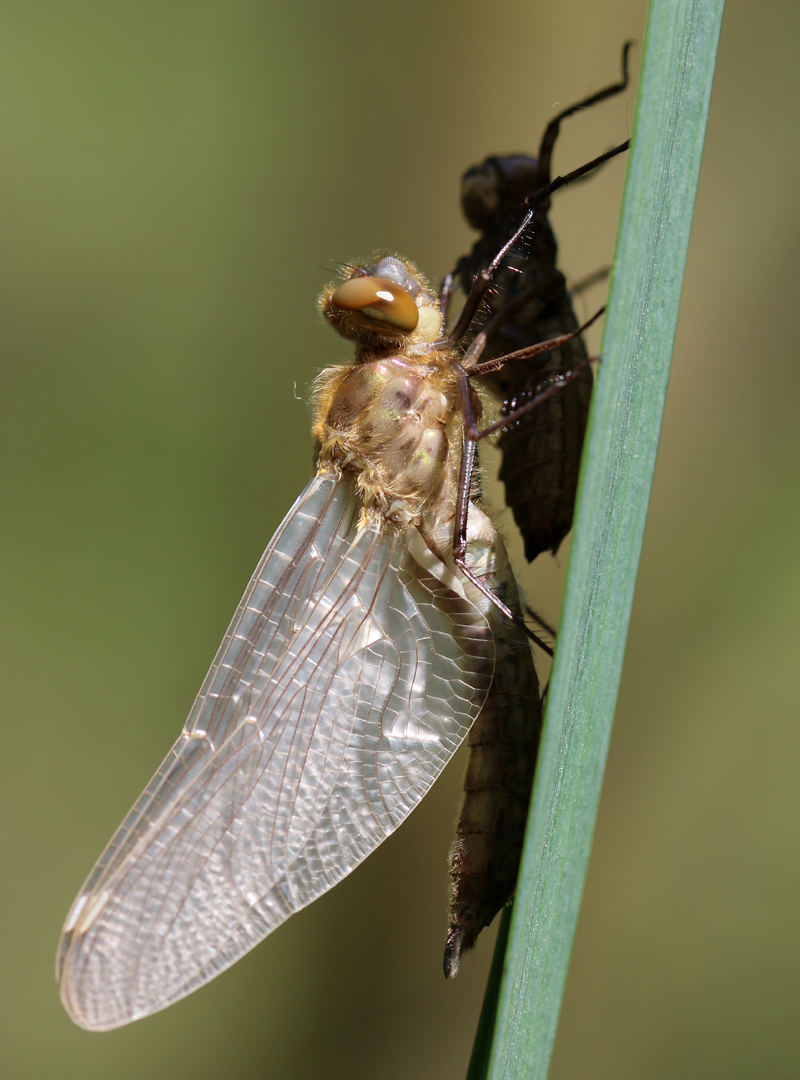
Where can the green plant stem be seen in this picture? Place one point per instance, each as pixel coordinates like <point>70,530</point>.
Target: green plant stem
<point>672,107</point>
<point>486,1024</point>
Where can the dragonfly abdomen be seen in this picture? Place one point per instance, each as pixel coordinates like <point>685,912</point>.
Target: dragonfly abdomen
<point>484,857</point>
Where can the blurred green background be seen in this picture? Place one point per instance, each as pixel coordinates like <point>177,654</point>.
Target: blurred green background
<point>178,179</point>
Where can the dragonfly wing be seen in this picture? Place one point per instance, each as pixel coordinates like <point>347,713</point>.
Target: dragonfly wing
<point>345,682</point>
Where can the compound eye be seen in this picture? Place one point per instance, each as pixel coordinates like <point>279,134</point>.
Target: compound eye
<point>379,300</point>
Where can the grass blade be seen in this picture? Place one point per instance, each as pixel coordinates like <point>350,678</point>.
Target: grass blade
<point>484,1035</point>
<point>674,91</point>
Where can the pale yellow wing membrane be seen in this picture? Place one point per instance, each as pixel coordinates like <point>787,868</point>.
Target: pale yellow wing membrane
<point>345,682</point>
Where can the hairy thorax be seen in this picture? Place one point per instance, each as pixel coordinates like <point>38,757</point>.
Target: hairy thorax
<point>393,423</point>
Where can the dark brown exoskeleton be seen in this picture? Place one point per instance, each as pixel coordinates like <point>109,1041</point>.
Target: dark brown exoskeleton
<point>484,858</point>
<point>541,457</point>
<point>531,303</point>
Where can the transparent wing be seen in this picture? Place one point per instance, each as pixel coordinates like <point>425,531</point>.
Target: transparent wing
<point>345,682</point>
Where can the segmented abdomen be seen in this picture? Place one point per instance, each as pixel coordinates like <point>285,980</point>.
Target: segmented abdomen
<point>503,741</point>
<point>542,453</point>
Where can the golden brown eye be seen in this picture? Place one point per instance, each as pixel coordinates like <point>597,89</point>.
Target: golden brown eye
<point>378,299</point>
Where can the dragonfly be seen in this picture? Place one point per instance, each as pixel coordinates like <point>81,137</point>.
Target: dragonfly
<point>531,303</point>
<point>380,627</point>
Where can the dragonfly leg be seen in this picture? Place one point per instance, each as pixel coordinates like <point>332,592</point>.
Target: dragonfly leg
<point>479,286</point>
<point>561,181</point>
<point>552,129</point>
<point>470,357</point>
<point>472,433</point>
<point>491,326</point>
<point>548,629</point>
<point>445,296</point>
<point>558,383</point>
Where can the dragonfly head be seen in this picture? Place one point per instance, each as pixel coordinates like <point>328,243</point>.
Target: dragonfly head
<point>495,190</point>
<point>386,303</point>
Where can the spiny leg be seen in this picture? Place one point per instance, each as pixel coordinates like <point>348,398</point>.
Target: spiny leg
<point>548,629</point>
<point>492,325</point>
<point>558,383</point>
<point>469,361</point>
<point>445,296</point>
<point>532,350</point>
<point>480,285</point>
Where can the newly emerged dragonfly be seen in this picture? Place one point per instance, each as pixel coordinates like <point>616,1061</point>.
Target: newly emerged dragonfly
<point>380,626</point>
<point>530,303</point>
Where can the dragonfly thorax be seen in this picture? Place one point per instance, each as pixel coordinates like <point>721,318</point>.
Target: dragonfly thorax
<point>390,422</point>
